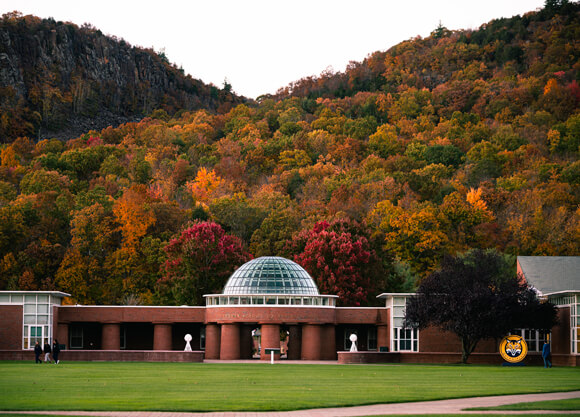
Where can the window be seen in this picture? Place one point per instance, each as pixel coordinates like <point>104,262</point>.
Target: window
<point>534,338</point>
<point>574,323</point>
<point>33,334</point>
<point>76,337</point>
<point>202,338</point>
<point>37,318</point>
<point>405,339</point>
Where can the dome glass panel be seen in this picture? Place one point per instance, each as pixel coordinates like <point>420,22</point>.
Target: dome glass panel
<point>271,275</point>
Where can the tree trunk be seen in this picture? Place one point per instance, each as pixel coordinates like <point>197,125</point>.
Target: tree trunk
<point>467,346</point>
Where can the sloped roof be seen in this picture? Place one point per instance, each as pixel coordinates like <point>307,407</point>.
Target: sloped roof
<point>551,274</point>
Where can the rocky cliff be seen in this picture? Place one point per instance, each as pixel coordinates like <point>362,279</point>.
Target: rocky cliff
<point>58,79</point>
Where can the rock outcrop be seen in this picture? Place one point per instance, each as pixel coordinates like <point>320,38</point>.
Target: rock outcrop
<point>54,75</point>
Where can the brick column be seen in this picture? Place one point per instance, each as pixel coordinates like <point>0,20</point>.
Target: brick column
<point>383,337</point>
<point>162,336</point>
<point>62,334</point>
<point>328,347</point>
<point>270,340</point>
<point>212,341</point>
<point>111,339</point>
<point>230,341</point>
<point>295,342</point>
<point>311,342</point>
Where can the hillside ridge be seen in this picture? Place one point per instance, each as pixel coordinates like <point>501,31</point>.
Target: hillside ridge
<point>57,79</point>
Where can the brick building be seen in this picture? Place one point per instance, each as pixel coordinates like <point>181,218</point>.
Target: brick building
<point>278,300</point>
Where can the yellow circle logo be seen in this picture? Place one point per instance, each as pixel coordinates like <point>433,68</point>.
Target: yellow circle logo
<point>513,349</point>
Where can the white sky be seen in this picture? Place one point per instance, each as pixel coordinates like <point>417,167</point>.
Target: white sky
<point>262,45</point>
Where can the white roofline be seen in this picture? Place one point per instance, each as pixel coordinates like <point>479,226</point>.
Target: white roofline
<point>395,294</point>
<point>562,292</point>
<point>60,293</point>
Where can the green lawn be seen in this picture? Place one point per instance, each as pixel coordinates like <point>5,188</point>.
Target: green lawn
<point>254,387</point>
<point>572,404</point>
<point>455,415</point>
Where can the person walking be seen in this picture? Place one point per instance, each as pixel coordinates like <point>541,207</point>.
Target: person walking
<point>47,352</point>
<point>546,355</point>
<point>55,351</point>
<point>37,353</point>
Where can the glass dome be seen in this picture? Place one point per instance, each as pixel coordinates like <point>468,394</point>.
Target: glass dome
<point>271,275</point>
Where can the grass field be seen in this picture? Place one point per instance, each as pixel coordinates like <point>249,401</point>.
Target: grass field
<point>257,387</point>
<point>561,405</point>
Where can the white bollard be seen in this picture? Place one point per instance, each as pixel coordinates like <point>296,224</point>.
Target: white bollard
<point>272,357</point>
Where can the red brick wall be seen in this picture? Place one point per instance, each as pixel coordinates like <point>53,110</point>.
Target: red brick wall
<point>242,314</point>
<point>435,340</point>
<point>10,327</point>
<point>127,314</point>
<point>377,315</point>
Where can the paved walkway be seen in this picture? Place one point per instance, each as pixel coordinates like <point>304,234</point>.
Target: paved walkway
<point>456,406</point>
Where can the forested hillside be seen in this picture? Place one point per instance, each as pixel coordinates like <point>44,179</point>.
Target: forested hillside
<point>57,78</point>
<point>465,139</point>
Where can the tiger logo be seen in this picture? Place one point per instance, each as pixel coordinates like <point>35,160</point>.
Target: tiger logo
<point>513,349</point>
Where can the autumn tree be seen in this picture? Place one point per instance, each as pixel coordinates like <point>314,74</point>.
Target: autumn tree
<point>134,214</point>
<point>477,296</point>
<point>237,215</point>
<point>341,260</point>
<point>199,261</point>
<point>415,235</point>
<point>276,229</point>
<point>94,237</point>
<point>204,185</point>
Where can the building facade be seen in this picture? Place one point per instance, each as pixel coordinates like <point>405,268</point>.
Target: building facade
<point>268,304</point>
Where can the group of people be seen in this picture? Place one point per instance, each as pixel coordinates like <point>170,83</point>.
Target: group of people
<point>54,350</point>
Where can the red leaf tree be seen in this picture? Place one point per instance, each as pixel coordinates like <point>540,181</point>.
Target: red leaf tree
<point>199,262</point>
<point>341,259</point>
